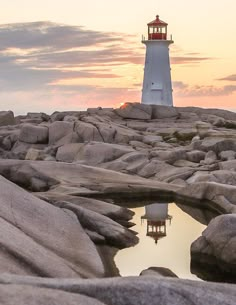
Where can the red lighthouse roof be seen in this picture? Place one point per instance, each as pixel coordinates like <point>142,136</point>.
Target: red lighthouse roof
<point>157,21</point>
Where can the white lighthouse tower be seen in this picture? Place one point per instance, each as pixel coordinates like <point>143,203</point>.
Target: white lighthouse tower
<point>157,86</point>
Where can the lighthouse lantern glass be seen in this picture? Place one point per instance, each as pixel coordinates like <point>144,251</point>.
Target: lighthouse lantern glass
<point>157,32</point>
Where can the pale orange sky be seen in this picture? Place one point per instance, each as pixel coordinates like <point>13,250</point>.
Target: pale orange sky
<point>88,53</point>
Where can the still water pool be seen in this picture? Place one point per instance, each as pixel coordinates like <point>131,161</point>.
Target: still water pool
<point>164,243</point>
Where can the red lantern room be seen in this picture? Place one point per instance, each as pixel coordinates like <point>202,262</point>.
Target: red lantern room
<point>157,29</point>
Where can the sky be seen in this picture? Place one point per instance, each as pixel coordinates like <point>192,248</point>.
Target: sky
<point>75,54</point>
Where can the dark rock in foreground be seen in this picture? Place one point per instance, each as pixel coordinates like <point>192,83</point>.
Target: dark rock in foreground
<point>213,254</point>
<point>122,291</point>
<point>40,239</point>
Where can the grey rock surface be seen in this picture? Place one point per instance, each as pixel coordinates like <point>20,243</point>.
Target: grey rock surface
<point>158,271</point>
<point>87,132</point>
<point>134,290</point>
<point>68,152</point>
<point>213,254</point>
<point>163,112</point>
<point>114,233</point>
<point>135,111</point>
<point>137,152</point>
<point>6,118</point>
<point>21,295</point>
<point>33,134</point>
<point>40,239</point>
<point>95,153</point>
<point>227,155</point>
<point>61,133</point>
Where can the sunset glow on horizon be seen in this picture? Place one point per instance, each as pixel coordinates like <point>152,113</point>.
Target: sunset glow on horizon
<point>76,54</point>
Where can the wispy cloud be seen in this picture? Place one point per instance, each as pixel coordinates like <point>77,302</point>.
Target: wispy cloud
<point>231,78</point>
<point>50,36</point>
<point>185,90</point>
<point>179,85</point>
<point>180,60</point>
<point>37,54</point>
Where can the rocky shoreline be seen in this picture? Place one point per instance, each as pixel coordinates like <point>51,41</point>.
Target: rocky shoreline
<point>65,177</point>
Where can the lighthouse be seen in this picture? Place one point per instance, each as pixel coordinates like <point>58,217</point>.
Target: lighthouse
<point>157,86</point>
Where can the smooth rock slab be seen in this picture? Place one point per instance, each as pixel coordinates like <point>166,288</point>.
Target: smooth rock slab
<point>134,290</point>
<point>115,234</point>
<point>29,295</point>
<point>39,239</point>
<point>77,179</point>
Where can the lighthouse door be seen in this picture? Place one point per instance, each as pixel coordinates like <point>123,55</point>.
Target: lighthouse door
<point>156,96</point>
<point>156,92</point>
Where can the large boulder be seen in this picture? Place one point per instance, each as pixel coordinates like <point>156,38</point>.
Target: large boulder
<point>210,158</point>
<point>33,134</point>
<point>68,152</point>
<point>42,240</point>
<point>6,118</point>
<point>124,135</point>
<point>131,162</point>
<point>135,111</point>
<point>163,112</point>
<point>216,144</point>
<point>61,133</point>
<point>59,116</point>
<point>95,153</point>
<point>219,176</point>
<point>20,149</point>
<point>168,173</point>
<point>213,254</point>
<point>150,169</point>
<point>169,156</point>
<point>107,131</point>
<point>38,115</point>
<point>87,132</point>
<point>228,165</point>
<point>227,155</point>
<point>195,156</point>
<point>152,139</point>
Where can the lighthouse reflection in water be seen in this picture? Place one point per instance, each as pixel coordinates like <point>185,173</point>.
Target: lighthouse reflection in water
<point>156,216</point>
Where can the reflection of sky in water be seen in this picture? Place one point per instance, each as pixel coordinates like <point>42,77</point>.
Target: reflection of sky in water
<point>172,251</point>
